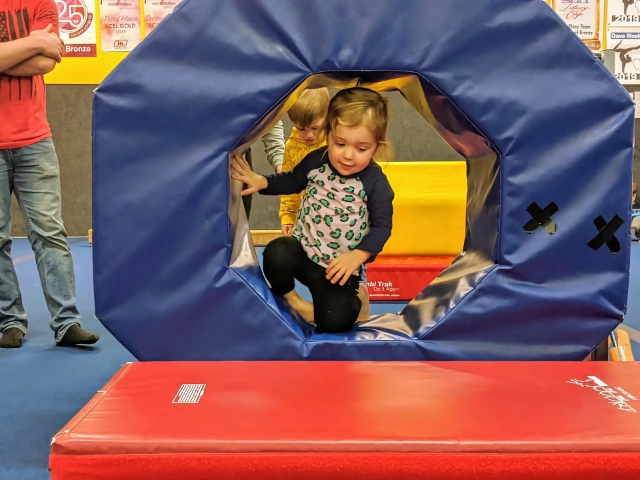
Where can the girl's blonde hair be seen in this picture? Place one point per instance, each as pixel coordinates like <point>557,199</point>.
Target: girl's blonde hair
<point>358,106</point>
<point>311,105</point>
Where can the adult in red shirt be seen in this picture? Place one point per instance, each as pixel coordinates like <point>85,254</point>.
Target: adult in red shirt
<point>29,48</point>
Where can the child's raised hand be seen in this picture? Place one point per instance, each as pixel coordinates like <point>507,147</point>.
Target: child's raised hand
<point>340,269</point>
<point>247,176</point>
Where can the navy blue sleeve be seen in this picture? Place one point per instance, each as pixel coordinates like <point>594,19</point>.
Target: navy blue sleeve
<point>380,206</point>
<point>294,181</point>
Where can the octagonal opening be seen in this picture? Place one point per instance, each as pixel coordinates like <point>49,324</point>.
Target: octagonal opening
<point>479,252</point>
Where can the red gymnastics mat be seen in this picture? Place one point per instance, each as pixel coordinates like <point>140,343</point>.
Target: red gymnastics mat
<point>357,420</point>
<point>402,278</point>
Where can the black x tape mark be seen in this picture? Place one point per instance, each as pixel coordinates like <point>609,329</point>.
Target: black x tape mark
<point>606,233</point>
<point>541,217</point>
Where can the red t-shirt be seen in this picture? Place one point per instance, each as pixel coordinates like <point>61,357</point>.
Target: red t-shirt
<point>23,114</point>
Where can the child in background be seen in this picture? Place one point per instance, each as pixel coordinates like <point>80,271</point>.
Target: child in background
<point>308,116</point>
<point>345,217</point>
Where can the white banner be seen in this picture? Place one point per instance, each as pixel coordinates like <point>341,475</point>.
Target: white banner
<point>625,42</point>
<point>77,22</point>
<point>120,28</point>
<point>155,11</point>
<point>584,18</point>
<point>623,13</point>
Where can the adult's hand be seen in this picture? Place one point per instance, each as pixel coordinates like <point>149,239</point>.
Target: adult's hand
<point>49,44</point>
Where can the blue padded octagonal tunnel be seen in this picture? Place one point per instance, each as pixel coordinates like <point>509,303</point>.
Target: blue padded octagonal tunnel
<point>546,131</point>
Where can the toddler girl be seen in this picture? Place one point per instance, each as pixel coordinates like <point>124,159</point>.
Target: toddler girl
<point>345,216</point>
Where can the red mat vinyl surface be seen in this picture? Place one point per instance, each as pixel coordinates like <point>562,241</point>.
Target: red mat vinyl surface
<point>350,420</point>
<point>402,278</point>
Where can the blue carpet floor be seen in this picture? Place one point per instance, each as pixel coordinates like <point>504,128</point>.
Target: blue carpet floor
<point>43,386</point>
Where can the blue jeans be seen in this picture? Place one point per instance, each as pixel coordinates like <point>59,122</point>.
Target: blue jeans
<point>33,173</point>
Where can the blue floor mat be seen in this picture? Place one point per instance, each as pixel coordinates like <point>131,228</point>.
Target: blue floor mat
<point>42,386</point>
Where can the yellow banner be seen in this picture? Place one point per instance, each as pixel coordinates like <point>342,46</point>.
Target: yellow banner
<point>88,70</point>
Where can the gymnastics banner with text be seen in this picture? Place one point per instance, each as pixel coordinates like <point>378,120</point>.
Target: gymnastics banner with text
<point>155,11</point>
<point>623,13</point>
<point>120,28</point>
<point>625,42</point>
<point>77,24</point>
<point>584,18</point>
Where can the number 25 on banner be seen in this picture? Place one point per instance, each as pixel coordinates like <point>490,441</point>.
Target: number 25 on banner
<point>77,27</point>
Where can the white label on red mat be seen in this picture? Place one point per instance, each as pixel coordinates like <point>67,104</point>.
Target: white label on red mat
<point>190,393</point>
<point>616,396</point>
<point>384,289</point>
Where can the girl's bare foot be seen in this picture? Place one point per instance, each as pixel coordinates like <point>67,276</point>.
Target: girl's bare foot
<point>300,305</point>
